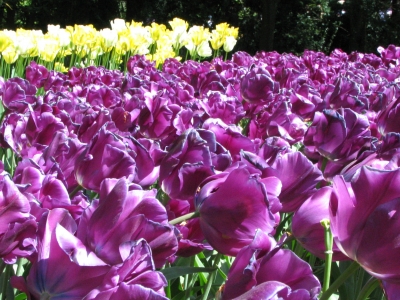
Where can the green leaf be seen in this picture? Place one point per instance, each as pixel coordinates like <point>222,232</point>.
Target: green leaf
<point>21,296</point>
<point>175,272</point>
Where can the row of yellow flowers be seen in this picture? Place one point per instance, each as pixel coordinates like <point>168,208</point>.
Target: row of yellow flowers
<point>83,45</point>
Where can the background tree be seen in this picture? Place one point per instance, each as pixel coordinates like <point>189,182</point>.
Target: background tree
<point>284,26</point>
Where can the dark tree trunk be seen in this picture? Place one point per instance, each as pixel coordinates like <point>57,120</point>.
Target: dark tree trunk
<point>357,26</point>
<point>134,9</point>
<point>10,17</point>
<point>268,13</point>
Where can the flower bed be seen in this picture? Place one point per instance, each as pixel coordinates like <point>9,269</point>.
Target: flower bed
<point>257,177</point>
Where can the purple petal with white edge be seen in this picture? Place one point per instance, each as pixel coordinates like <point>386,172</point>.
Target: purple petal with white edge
<point>46,277</point>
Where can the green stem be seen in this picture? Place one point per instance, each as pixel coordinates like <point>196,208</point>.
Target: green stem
<point>19,267</point>
<point>323,166</point>
<point>340,280</point>
<point>184,218</point>
<point>278,231</point>
<point>359,281</point>
<point>6,278</point>
<point>73,193</point>
<point>368,288</point>
<point>211,277</point>
<point>188,280</point>
<point>328,254</point>
<point>2,266</point>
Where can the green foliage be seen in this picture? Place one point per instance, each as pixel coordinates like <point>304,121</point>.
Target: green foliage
<point>304,25</point>
<point>320,25</point>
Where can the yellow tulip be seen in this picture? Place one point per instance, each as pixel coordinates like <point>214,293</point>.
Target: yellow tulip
<point>230,42</point>
<point>204,49</point>
<point>118,25</point>
<point>156,31</point>
<point>83,38</point>
<point>48,48</point>
<point>5,41</point>
<point>26,42</point>
<point>10,54</point>
<point>122,45</point>
<point>217,40</point>
<point>139,38</point>
<point>62,35</point>
<point>109,39</point>
<point>198,34</point>
<point>59,67</point>
<point>178,24</point>
<point>222,28</point>
<point>179,35</point>
<point>233,31</point>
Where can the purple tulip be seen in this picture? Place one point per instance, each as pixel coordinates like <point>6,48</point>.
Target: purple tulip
<point>230,137</point>
<point>104,157</point>
<point>364,220</point>
<point>392,290</point>
<point>56,82</point>
<point>36,74</point>
<point>272,290</point>
<point>98,95</point>
<point>190,237</point>
<point>147,154</point>
<point>338,134</point>
<point>43,125</point>
<point>232,206</point>
<point>123,119</point>
<point>384,155</point>
<point>186,165</point>
<point>286,124</point>
<point>54,273</point>
<point>136,278</point>
<point>13,134</point>
<point>157,116</point>
<point>83,275</point>
<point>91,123</point>
<point>304,101</point>
<point>263,270</point>
<point>299,179</point>
<point>61,154</point>
<point>18,93</point>
<point>17,226</point>
<point>387,118</point>
<point>390,55</point>
<point>258,86</point>
<point>346,94</point>
<point>46,192</point>
<point>124,214</point>
<point>138,63</point>
<point>226,108</point>
<point>306,224</point>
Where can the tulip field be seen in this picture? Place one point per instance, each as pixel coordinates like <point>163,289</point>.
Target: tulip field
<point>140,162</point>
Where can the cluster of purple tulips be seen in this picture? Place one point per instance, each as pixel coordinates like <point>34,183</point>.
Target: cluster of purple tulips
<point>114,176</point>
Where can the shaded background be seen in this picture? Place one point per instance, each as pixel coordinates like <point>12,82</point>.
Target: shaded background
<point>281,25</point>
